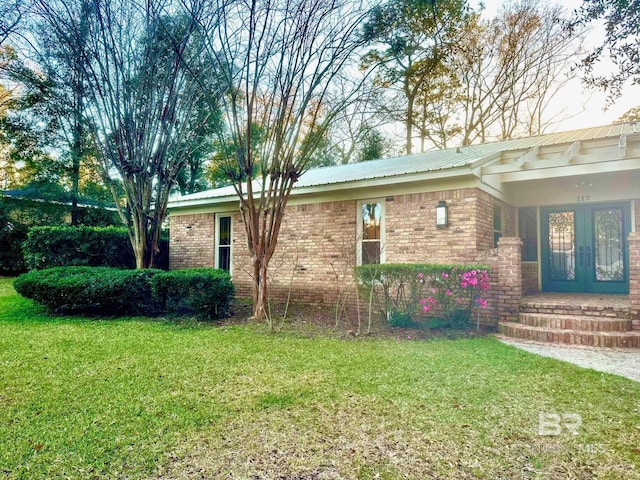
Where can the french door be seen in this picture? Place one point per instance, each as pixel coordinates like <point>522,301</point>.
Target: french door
<point>584,248</point>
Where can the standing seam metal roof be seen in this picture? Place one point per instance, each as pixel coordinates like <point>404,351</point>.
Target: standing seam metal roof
<point>452,158</point>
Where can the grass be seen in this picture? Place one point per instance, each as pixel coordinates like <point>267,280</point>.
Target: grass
<point>139,398</point>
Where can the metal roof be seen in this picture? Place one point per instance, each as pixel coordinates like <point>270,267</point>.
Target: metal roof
<point>436,160</point>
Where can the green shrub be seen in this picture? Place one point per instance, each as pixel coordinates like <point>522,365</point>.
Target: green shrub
<point>403,294</point>
<point>12,235</point>
<point>205,291</point>
<point>90,290</point>
<point>401,320</point>
<point>48,247</point>
<point>112,291</point>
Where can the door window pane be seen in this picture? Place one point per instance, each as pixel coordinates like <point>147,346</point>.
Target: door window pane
<point>609,253</point>
<point>562,259</point>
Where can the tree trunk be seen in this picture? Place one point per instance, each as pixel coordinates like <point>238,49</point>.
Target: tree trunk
<point>138,251</point>
<point>76,154</point>
<point>260,290</point>
<point>138,237</point>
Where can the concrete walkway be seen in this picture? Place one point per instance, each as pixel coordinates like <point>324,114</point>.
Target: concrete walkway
<point>624,362</point>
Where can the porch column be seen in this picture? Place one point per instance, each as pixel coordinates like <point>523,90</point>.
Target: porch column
<point>634,278</point>
<point>509,287</point>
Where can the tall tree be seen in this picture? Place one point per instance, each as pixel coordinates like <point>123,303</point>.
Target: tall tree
<point>12,13</point>
<point>472,79</point>
<point>509,67</point>
<point>631,115</point>
<point>374,145</point>
<point>621,43</point>
<point>410,40</point>
<point>436,117</point>
<point>356,128</point>
<point>277,61</point>
<point>49,76</point>
<point>142,99</point>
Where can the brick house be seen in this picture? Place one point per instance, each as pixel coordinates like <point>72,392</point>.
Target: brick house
<point>555,216</point>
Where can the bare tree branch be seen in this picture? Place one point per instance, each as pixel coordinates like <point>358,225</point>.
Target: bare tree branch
<point>142,100</point>
<point>278,61</point>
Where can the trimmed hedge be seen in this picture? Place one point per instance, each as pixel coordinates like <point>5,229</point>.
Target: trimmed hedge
<point>112,291</point>
<point>90,290</point>
<point>205,291</point>
<point>48,247</point>
<point>11,238</point>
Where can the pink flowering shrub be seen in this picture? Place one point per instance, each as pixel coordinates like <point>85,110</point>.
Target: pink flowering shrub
<point>454,294</point>
<point>404,294</point>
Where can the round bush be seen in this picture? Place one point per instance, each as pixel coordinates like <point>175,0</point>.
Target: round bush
<point>204,291</point>
<point>90,290</point>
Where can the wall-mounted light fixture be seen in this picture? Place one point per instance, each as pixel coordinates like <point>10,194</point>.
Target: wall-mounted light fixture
<point>442,214</point>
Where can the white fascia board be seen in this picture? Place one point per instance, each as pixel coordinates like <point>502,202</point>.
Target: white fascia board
<point>571,170</point>
<point>202,202</point>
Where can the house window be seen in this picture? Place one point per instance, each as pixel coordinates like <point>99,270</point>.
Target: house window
<point>497,224</point>
<point>223,243</point>
<point>528,232</point>
<point>371,233</point>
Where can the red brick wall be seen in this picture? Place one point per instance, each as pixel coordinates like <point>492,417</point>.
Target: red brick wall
<point>411,234</point>
<point>191,241</point>
<point>317,244</point>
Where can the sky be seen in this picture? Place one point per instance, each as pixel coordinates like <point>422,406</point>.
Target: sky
<point>578,106</point>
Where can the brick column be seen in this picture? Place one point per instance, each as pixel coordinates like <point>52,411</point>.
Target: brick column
<point>634,278</point>
<point>509,273</point>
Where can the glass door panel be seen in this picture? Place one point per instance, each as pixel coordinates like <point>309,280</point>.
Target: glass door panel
<point>562,251</point>
<point>609,252</point>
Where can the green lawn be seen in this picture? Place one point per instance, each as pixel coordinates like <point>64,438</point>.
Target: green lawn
<point>139,398</point>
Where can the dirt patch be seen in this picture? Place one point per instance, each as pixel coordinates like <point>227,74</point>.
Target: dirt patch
<point>317,320</point>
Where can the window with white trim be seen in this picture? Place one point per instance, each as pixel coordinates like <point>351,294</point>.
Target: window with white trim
<point>223,242</point>
<point>370,232</point>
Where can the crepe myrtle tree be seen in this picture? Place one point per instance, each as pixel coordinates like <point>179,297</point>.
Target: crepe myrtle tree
<point>143,104</point>
<point>277,62</point>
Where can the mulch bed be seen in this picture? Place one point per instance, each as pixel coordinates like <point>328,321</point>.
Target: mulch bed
<point>316,320</point>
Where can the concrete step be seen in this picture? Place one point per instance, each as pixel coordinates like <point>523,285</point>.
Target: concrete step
<point>630,339</point>
<point>575,322</point>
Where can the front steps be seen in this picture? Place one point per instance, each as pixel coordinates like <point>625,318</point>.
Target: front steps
<point>588,320</point>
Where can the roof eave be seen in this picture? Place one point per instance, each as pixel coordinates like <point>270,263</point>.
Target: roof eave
<point>349,185</point>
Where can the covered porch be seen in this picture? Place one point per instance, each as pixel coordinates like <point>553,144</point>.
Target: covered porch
<point>579,318</point>
<point>571,272</point>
